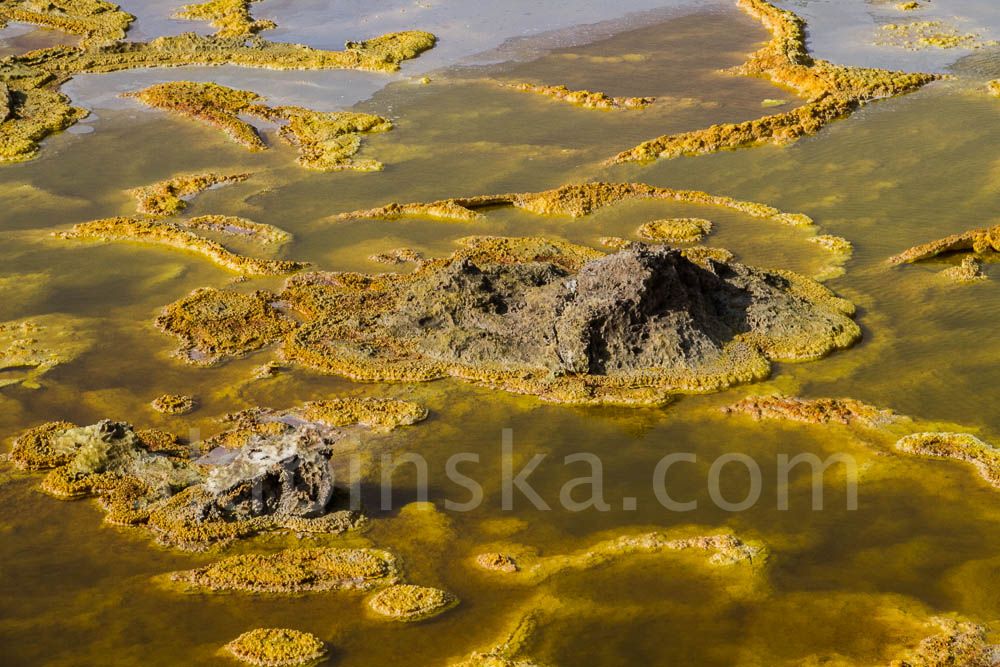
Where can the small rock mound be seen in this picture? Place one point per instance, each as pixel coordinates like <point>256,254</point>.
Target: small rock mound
<point>497,562</point>
<point>276,647</point>
<point>406,602</point>
<point>958,446</point>
<point>675,230</point>
<point>173,404</point>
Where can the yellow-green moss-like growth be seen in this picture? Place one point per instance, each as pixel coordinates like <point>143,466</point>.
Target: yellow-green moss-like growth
<point>173,404</point>
<point>813,411</point>
<point>297,571</point>
<point>166,198</point>
<point>232,18</point>
<point>584,98</point>
<point>172,235</point>
<point>406,602</point>
<point>958,446</point>
<point>675,230</point>
<point>213,324</point>
<point>276,647</point>
<point>96,21</point>
<point>393,327</point>
<point>326,141</point>
<point>832,91</point>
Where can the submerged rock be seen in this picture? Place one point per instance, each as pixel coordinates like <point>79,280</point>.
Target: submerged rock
<point>813,411</point>
<point>675,230</point>
<point>958,643</point>
<point>565,322</point>
<point>173,404</point>
<point>584,98</point>
<point>33,346</point>
<point>276,647</point>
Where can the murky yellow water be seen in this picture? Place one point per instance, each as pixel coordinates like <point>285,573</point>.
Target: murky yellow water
<point>839,584</point>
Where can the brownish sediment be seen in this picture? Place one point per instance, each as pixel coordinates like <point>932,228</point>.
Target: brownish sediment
<point>172,235</point>
<point>831,92</point>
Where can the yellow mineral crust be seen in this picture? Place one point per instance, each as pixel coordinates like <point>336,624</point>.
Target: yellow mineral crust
<point>584,98</point>
<point>173,404</point>
<point>31,347</point>
<point>918,35</point>
<point>166,198</point>
<point>723,549</point>
<point>813,411</point>
<point>958,643</point>
<point>96,21</point>
<point>977,241</point>
<point>296,571</point>
<point>208,103</point>
<point>969,271</point>
<point>35,449</point>
<point>572,200</point>
<point>326,141</point>
<point>213,324</point>
<point>276,647</point>
<point>231,17</point>
<point>36,109</point>
<point>173,235</point>
<point>831,92</point>
<point>675,230</point>
<point>238,227</point>
<point>406,602</point>
<point>994,87</point>
<point>958,446</point>
<point>346,332</point>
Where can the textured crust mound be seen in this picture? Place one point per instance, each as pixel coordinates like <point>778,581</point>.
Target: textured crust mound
<point>958,446</point>
<point>572,200</point>
<point>406,602</point>
<point>958,643</point>
<point>296,571</point>
<point>813,411</point>
<point>584,98</point>
<point>173,404</point>
<point>231,225</point>
<point>213,324</point>
<point>675,230</point>
<point>98,22</point>
<point>231,17</point>
<point>173,235</point>
<point>974,241</point>
<point>166,198</point>
<point>327,141</point>
<point>276,647</point>
<point>477,315</point>
<point>832,91</point>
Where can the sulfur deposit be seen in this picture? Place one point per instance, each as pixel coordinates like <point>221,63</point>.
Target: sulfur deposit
<point>276,647</point>
<point>831,92</point>
<point>169,197</point>
<point>584,98</point>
